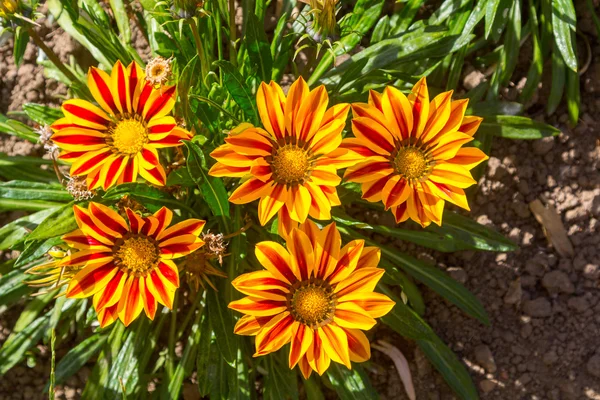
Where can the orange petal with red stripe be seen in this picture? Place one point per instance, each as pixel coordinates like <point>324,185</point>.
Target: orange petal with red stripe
<point>90,280</point>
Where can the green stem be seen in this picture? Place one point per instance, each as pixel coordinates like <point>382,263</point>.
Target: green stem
<point>52,56</point>
<point>232,33</point>
<point>172,330</point>
<point>217,21</point>
<point>204,68</point>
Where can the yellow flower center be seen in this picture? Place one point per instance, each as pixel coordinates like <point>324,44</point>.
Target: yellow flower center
<point>411,162</point>
<point>128,136</point>
<point>290,165</point>
<point>137,254</point>
<point>312,303</point>
<point>157,71</point>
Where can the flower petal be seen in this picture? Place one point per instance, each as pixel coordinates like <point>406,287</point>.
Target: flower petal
<point>276,259</point>
<point>258,307</point>
<point>335,343</point>
<point>275,334</point>
<point>90,280</point>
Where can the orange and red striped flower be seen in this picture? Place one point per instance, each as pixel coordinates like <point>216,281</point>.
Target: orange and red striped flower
<point>127,266</point>
<point>119,140</point>
<point>315,295</point>
<point>409,152</point>
<point>290,165</point>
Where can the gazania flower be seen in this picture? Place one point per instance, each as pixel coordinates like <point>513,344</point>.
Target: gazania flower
<point>315,295</point>
<point>127,267</point>
<point>119,140</point>
<point>289,165</point>
<point>409,152</point>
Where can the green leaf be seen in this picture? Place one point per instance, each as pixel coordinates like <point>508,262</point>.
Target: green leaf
<point>559,76</point>
<point>404,319</point>
<point>439,282</point>
<point>381,29</point>
<point>36,249</point>
<point>513,127</point>
<point>512,41</point>
<point>151,197</point>
<point>189,354</point>
<point>281,47</point>
<point>281,382</point>
<point>456,233</point>
<point>212,189</point>
<point>563,23</point>
<point>14,232</point>
<point>58,223</point>
<point>207,358</point>
<point>573,96</point>
<point>78,356</point>
<point>124,368</point>
<point>534,76</point>
<point>222,324</point>
<point>476,236</point>
<point>394,276</point>
<point>491,11</point>
<point>21,39</point>
<point>237,88</point>
<point>432,277</point>
<point>351,384</point>
<point>24,190</point>
<point>453,371</point>
<point>43,115</point>
<point>13,350</point>
<point>13,287</point>
<point>364,16</point>
<point>33,309</point>
<point>122,17</point>
<point>18,129</point>
<point>26,205</point>
<point>258,47</point>
<point>492,108</point>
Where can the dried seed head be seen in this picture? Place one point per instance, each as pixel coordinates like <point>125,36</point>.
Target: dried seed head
<point>45,140</point>
<point>158,71</point>
<point>77,187</point>
<point>215,246</point>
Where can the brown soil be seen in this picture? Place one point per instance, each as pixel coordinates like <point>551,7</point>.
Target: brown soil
<point>544,309</point>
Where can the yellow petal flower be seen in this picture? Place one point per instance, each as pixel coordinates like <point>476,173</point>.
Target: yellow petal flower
<point>292,163</point>
<point>118,141</point>
<point>407,152</point>
<point>313,295</point>
<point>127,265</point>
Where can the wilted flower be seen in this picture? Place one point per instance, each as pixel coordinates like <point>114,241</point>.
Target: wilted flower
<point>158,71</point>
<point>45,140</point>
<point>8,7</point>
<point>77,187</point>
<point>51,274</point>
<point>323,15</point>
